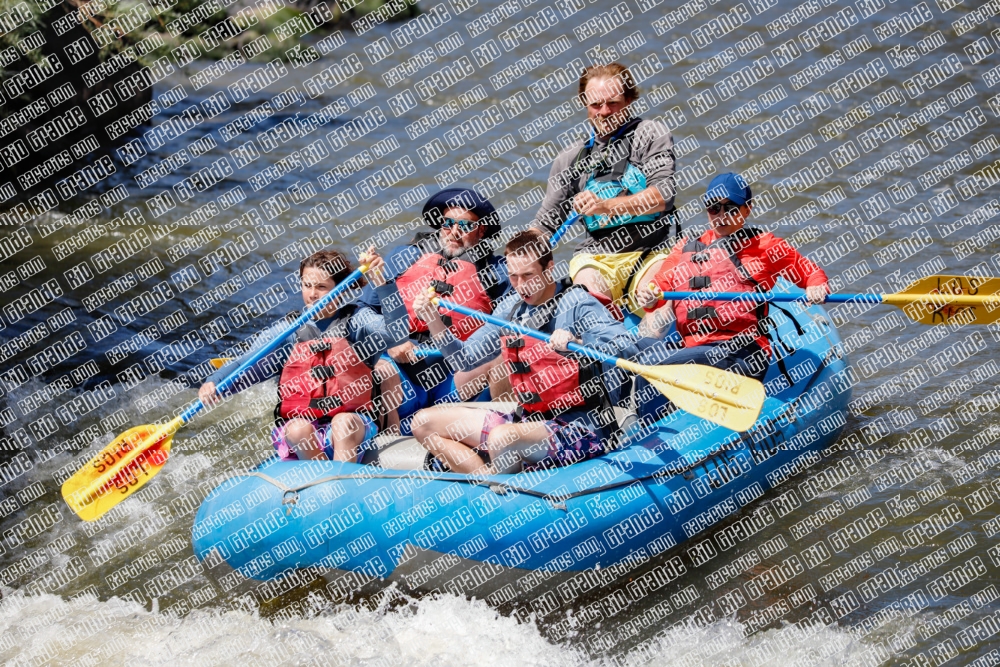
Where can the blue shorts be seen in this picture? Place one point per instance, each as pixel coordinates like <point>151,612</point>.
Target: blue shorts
<point>285,452</point>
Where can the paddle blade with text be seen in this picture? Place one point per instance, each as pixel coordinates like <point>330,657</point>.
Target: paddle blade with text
<point>948,299</point>
<point>118,471</point>
<point>718,396</point>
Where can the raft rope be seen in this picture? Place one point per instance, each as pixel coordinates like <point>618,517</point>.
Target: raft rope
<point>290,494</point>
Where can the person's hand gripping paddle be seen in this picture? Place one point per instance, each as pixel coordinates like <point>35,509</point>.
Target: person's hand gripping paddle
<point>718,396</point>
<point>135,456</point>
<point>930,300</point>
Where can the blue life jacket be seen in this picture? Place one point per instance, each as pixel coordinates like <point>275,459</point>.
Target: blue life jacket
<point>612,180</point>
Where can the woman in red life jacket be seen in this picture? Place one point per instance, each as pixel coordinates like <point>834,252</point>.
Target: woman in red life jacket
<point>729,257</point>
<point>334,394</point>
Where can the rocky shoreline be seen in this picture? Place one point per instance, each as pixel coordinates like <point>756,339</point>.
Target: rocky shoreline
<point>77,79</point>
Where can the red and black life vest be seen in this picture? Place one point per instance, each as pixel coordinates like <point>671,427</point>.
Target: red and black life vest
<point>546,381</point>
<point>716,267</point>
<point>322,378</point>
<point>456,279</point>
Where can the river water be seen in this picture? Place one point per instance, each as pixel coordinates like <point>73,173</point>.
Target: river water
<point>919,446</point>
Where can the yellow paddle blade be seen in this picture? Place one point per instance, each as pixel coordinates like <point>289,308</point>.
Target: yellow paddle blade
<point>219,362</point>
<point>119,470</point>
<point>718,396</point>
<point>947,299</point>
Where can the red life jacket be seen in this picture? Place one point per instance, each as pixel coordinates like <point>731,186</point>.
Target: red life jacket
<point>456,279</point>
<point>716,267</point>
<point>322,378</point>
<point>544,380</point>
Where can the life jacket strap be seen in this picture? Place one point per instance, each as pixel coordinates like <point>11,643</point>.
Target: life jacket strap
<point>323,372</point>
<point>519,367</point>
<point>326,403</point>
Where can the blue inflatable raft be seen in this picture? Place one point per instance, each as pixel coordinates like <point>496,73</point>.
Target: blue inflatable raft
<point>363,525</point>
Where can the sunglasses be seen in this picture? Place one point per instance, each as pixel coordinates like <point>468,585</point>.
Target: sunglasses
<point>465,226</point>
<point>730,208</point>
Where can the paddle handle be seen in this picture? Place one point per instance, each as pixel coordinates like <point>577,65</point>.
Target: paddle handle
<point>570,221</point>
<point>276,342</point>
<point>524,331</point>
<point>767,297</point>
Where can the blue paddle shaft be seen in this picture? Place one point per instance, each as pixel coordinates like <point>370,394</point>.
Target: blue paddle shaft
<point>524,331</point>
<point>763,297</point>
<point>573,217</point>
<point>276,342</point>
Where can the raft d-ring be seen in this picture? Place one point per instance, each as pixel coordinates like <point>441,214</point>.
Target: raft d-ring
<point>558,504</point>
<point>289,500</point>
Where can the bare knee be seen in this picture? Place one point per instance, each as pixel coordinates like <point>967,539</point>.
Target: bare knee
<point>593,280</point>
<point>344,425</point>
<point>301,438</point>
<point>501,437</point>
<point>422,424</point>
<point>299,431</point>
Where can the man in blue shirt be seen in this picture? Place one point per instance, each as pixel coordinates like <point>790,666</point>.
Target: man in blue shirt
<point>458,259</point>
<point>565,400</point>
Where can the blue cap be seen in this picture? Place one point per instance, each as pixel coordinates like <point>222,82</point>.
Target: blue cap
<point>470,200</point>
<point>728,186</point>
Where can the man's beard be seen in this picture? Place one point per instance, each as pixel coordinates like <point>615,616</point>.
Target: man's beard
<point>452,252</point>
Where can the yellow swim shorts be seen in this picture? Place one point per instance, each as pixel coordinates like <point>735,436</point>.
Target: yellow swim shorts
<point>617,270</point>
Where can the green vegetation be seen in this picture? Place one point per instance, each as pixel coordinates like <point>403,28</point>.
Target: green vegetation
<point>211,33</point>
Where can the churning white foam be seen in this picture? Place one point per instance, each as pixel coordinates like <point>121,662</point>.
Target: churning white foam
<point>446,630</point>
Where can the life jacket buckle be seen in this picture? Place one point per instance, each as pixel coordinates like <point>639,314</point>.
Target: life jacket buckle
<point>443,288</point>
<point>519,368</point>
<point>514,342</point>
<point>700,282</point>
<point>702,313</point>
<point>701,257</point>
<point>449,265</point>
<point>326,403</point>
<point>323,372</point>
<point>528,398</point>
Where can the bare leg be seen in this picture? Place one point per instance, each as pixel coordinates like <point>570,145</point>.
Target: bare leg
<point>301,438</point>
<point>392,393</point>
<point>450,433</point>
<point>500,387</point>
<point>593,280</point>
<point>347,431</point>
<point>513,444</point>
